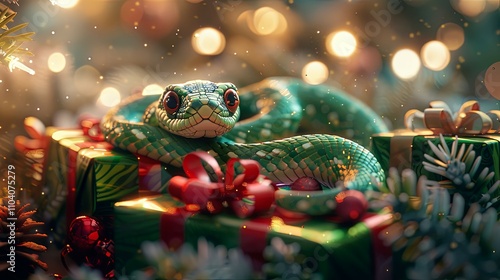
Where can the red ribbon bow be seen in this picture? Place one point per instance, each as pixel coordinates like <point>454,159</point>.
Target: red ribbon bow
<point>90,128</point>
<point>247,193</point>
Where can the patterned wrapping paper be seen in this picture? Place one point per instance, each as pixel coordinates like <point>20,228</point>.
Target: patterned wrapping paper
<point>92,192</point>
<point>333,250</point>
<point>85,175</point>
<point>66,178</point>
<point>406,149</point>
<point>61,164</point>
<point>103,177</point>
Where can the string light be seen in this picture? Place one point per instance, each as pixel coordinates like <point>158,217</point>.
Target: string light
<point>56,62</point>
<point>152,89</point>
<point>66,4</point>
<point>492,79</point>
<point>435,55</point>
<point>208,41</point>
<point>14,63</point>
<point>110,97</point>
<point>452,35</point>
<point>341,43</point>
<point>405,64</point>
<point>267,21</point>
<point>315,72</point>
<point>469,8</point>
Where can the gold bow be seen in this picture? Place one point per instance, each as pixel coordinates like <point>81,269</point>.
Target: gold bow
<point>469,120</point>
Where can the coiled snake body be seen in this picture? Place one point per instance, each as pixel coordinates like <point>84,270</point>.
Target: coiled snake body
<point>202,115</point>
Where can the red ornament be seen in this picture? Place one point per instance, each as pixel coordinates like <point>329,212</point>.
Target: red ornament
<point>84,233</point>
<point>87,244</point>
<point>305,184</point>
<point>351,205</point>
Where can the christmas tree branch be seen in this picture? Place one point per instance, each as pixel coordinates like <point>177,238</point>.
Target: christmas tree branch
<point>10,44</point>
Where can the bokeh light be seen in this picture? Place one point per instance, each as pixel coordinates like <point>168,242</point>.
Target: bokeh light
<point>315,72</point>
<point>435,55</point>
<point>56,62</point>
<point>153,18</point>
<point>492,5</point>
<point>492,79</point>
<point>267,20</point>
<point>406,64</point>
<point>452,35</point>
<point>152,89</point>
<point>470,8</point>
<point>87,79</point>
<point>208,41</point>
<point>66,4</point>
<point>367,61</point>
<point>110,97</point>
<point>341,43</point>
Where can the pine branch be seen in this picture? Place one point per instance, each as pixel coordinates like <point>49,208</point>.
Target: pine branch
<point>12,2</point>
<point>10,44</point>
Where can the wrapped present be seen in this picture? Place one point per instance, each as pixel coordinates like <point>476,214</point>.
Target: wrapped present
<point>332,249</point>
<point>155,175</point>
<point>30,157</point>
<point>235,210</point>
<point>60,164</point>
<point>406,148</point>
<point>103,177</point>
<point>86,175</point>
<point>70,189</point>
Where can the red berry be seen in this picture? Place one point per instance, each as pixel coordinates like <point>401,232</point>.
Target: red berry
<point>351,205</point>
<point>305,184</point>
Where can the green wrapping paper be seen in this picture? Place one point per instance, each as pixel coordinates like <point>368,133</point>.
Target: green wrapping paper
<point>84,176</point>
<point>405,149</point>
<point>335,251</point>
<point>154,175</point>
<point>56,169</point>
<point>103,178</point>
<point>137,221</point>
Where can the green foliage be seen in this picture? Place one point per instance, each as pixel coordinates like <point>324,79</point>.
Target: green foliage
<point>208,262</point>
<point>461,167</point>
<point>10,43</point>
<point>436,237</point>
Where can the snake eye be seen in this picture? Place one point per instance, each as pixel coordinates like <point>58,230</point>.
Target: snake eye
<point>171,102</point>
<point>231,99</point>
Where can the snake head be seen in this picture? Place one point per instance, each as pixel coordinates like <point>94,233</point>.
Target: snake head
<point>198,108</point>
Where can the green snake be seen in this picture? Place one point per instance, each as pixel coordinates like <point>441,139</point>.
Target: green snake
<point>284,124</point>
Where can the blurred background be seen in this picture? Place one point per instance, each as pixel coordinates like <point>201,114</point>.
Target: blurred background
<point>394,55</point>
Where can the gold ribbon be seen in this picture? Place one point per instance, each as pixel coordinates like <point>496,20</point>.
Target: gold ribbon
<point>439,119</point>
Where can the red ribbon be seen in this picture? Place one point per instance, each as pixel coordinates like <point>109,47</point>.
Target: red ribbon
<point>246,194</point>
<point>90,128</point>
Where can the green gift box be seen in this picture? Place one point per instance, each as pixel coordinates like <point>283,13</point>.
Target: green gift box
<point>75,185</point>
<point>56,169</point>
<point>332,250</point>
<point>403,149</point>
<point>104,177</point>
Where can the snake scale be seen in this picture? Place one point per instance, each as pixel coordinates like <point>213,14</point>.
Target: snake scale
<point>284,124</point>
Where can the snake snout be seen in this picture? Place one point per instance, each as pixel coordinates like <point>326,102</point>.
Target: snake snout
<point>206,111</point>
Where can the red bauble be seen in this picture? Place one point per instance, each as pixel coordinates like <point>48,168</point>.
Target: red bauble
<point>351,205</point>
<point>305,184</point>
<point>84,233</point>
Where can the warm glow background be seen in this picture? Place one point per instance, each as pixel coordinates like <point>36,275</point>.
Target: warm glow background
<point>394,55</point>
